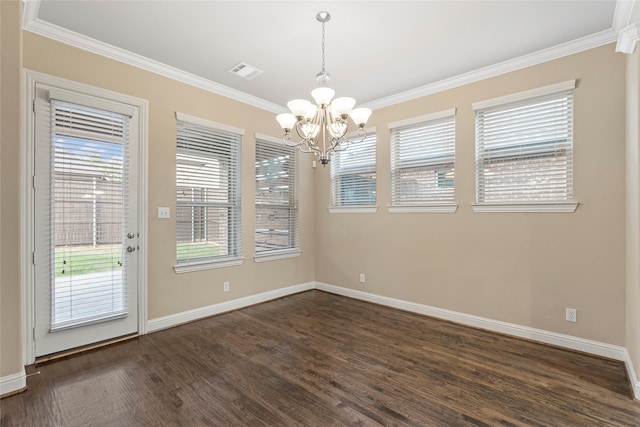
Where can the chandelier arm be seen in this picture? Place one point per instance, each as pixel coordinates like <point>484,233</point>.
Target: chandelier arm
<point>342,145</point>
<point>337,140</point>
<point>307,144</point>
<point>343,128</point>
<point>333,120</point>
<point>286,139</point>
<point>302,145</point>
<point>344,142</point>
<point>361,133</point>
<point>297,128</point>
<point>304,148</point>
<point>308,140</point>
<point>335,143</point>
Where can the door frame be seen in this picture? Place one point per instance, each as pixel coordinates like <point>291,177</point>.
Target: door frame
<point>29,80</point>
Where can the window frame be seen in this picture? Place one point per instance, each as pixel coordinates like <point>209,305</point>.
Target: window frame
<point>233,203</point>
<point>294,225</point>
<point>567,206</point>
<point>424,206</point>
<point>370,168</point>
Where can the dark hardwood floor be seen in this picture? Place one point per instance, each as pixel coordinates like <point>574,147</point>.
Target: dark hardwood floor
<point>316,359</point>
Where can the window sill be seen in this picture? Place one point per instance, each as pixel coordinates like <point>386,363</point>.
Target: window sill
<point>433,208</point>
<point>207,265</point>
<point>353,209</point>
<point>276,255</point>
<point>568,207</point>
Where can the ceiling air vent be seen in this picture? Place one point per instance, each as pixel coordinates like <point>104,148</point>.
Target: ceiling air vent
<point>245,71</point>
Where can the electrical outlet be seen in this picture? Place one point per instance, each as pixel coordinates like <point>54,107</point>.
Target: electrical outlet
<point>225,286</point>
<point>571,315</point>
<point>164,213</point>
<point>361,277</point>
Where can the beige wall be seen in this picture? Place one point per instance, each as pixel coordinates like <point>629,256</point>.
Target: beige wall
<point>633,208</point>
<point>10,248</point>
<point>516,267</point>
<point>171,293</point>
<point>523,268</point>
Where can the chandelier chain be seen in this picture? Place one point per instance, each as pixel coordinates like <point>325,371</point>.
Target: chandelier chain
<point>323,46</point>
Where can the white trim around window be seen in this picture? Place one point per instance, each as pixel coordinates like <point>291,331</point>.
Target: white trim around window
<point>422,119</point>
<point>269,138</point>
<point>353,175</point>
<point>277,255</point>
<point>569,207</point>
<point>208,199</point>
<point>353,209</point>
<point>207,265</point>
<point>524,95</point>
<point>432,208</point>
<point>524,151</point>
<point>208,123</point>
<point>276,213</point>
<point>423,163</point>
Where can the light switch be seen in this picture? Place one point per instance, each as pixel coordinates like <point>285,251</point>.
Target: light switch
<point>164,213</point>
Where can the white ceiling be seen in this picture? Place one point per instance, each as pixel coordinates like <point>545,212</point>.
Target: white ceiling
<point>375,50</point>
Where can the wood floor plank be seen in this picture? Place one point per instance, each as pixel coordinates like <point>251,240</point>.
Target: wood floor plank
<point>316,359</point>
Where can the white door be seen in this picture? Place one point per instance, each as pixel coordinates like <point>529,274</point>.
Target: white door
<point>85,209</point>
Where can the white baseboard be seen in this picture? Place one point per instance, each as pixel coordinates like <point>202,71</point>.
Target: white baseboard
<point>211,310</point>
<point>635,384</point>
<point>13,383</point>
<point>547,337</point>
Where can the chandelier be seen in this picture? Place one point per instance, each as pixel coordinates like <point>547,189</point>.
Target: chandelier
<point>322,128</point>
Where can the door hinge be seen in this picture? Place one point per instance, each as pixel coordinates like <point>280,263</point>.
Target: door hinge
<point>33,105</point>
<point>33,331</point>
<point>33,257</point>
<point>33,182</point>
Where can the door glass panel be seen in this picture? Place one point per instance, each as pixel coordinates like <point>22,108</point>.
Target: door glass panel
<point>87,213</point>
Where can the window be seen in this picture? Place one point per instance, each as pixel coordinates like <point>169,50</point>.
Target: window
<point>353,174</point>
<point>208,194</point>
<point>422,160</point>
<point>276,219</point>
<point>524,148</point>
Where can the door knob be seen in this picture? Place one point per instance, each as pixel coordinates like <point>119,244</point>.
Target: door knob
<point>131,248</point>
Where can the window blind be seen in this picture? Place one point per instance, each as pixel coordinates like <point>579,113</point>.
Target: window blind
<point>90,159</point>
<point>208,194</point>
<point>276,216</point>
<point>422,162</point>
<point>353,174</point>
<point>524,150</point>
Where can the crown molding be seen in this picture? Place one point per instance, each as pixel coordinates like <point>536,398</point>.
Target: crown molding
<point>524,95</point>
<point>33,24</point>
<point>576,46</point>
<point>623,14</point>
<point>628,38</point>
<point>628,31</point>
